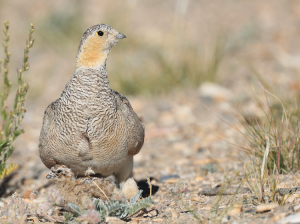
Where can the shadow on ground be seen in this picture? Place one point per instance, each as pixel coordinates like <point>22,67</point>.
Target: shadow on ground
<point>143,185</point>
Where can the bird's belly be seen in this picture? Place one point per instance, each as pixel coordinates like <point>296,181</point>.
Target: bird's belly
<point>103,166</point>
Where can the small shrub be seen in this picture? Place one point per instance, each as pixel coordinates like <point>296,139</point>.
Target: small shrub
<point>273,148</point>
<point>280,132</point>
<point>10,120</point>
<point>95,210</point>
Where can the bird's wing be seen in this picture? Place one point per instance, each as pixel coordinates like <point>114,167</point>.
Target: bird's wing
<point>135,126</point>
<point>47,135</point>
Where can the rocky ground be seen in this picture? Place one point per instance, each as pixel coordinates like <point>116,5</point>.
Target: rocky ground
<point>195,173</point>
<point>185,146</point>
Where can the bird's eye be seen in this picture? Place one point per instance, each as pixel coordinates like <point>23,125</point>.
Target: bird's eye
<point>100,33</point>
<point>59,171</point>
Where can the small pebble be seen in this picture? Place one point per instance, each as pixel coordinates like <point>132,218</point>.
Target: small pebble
<point>136,221</point>
<point>266,207</point>
<point>114,220</point>
<point>279,216</point>
<point>175,215</point>
<point>297,208</point>
<point>196,198</point>
<point>150,214</point>
<point>172,181</point>
<point>291,219</point>
<point>236,209</point>
<point>199,178</point>
<point>225,219</point>
<point>158,220</point>
<point>168,177</point>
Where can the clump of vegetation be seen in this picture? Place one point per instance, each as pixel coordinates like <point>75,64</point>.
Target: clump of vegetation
<point>263,184</point>
<point>281,135</point>
<point>95,210</point>
<point>10,119</point>
<point>273,149</point>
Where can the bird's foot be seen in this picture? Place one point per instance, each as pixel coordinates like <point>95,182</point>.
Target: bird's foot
<point>129,188</point>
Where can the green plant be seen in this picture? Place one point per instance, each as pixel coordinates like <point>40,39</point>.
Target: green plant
<point>96,210</point>
<point>10,120</point>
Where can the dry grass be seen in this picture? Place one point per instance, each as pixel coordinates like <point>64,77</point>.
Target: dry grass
<point>273,148</point>
<point>279,134</point>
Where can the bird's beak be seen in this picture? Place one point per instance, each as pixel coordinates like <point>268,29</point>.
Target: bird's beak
<point>48,176</point>
<point>120,36</point>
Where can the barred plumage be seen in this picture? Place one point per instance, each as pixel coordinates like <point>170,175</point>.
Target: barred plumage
<point>91,125</point>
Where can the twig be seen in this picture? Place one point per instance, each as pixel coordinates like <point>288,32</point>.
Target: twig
<point>279,145</point>
<point>143,210</point>
<point>265,159</point>
<point>101,190</point>
<point>44,214</point>
<point>149,183</point>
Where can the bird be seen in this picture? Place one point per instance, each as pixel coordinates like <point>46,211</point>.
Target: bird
<point>75,189</point>
<point>91,125</point>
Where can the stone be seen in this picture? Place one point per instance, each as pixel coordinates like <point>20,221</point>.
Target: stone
<point>114,220</point>
<point>279,216</point>
<point>290,198</point>
<point>266,207</point>
<point>199,178</point>
<point>224,191</point>
<point>236,209</point>
<point>158,220</point>
<point>171,177</point>
<point>196,198</point>
<point>225,219</point>
<point>151,214</point>
<point>33,218</point>
<point>172,181</point>
<point>297,208</point>
<point>212,92</point>
<point>291,219</point>
<point>135,221</point>
<point>29,195</point>
<point>175,215</point>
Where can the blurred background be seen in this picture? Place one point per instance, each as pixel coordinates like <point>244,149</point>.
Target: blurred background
<point>170,45</point>
<point>172,48</point>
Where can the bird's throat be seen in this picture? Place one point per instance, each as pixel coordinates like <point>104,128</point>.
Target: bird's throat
<point>92,54</point>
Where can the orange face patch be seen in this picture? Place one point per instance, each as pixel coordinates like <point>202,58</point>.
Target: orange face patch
<point>92,53</point>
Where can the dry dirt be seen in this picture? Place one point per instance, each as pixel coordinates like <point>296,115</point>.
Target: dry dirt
<point>185,129</point>
<point>184,141</point>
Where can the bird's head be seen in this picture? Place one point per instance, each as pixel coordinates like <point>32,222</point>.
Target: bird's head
<point>95,45</point>
<point>60,172</point>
